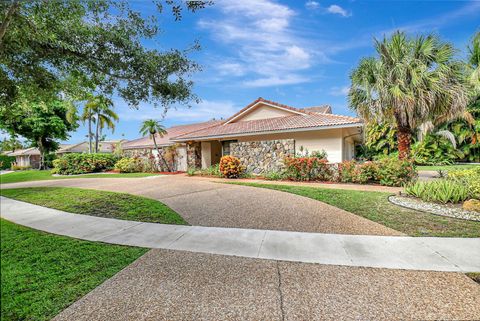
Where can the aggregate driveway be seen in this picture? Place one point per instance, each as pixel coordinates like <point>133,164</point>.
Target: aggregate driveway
<point>207,203</point>
<point>172,285</point>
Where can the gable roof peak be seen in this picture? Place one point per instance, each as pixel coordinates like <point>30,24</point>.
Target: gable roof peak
<point>265,101</point>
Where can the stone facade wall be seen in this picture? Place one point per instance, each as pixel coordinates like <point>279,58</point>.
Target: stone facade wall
<point>194,155</point>
<point>263,156</point>
<point>169,158</point>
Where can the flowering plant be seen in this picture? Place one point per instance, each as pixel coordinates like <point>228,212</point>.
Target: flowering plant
<point>230,167</point>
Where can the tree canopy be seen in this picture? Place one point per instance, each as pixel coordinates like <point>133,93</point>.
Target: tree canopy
<point>411,81</point>
<point>65,45</point>
<point>42,121</point>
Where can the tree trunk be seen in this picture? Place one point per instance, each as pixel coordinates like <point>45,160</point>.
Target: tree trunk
<point>8,18</point>
<point>90,134</point>
<point>96,134</point>
<point>160,156</point>
<point>404,137</point>
<point>41,149</point>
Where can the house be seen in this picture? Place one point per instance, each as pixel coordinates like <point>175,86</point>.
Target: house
<point>261,135</point>
<point>105,146</point>
<point>30,157</point>
<point>145,147</point>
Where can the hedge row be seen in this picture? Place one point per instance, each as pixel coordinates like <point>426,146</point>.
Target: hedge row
<point>71,164</point>
<point>388,171</point>
<point>6,161</point>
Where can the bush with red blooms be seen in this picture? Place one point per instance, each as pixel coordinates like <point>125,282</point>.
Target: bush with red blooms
<point>307,169</point>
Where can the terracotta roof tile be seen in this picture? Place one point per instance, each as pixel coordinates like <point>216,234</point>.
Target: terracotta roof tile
<point>306,121</point>
<point>260,99</point>
<point>325,109</point>
<point>146,142</point>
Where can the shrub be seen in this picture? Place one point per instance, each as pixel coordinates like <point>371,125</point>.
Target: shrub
<point>346,171</point>
<point>442,190</point>
<point>213,170</point>
<point>274,176</point>
<point>472,205</point>
<point>191,171</point>
<point>319,154</point>
<point>395,172</point>
<point>20,168</point>
<point>230,167</point>
<point>71,164</point>
<point>361,173</point>
<point>303,152</point>
<point>246,174</point>
<point>366,172</point>
<point>307,168</point>
<point>130,165</point>
<point>469,177</point>
<point>6,161</point>
<point>49,158</point>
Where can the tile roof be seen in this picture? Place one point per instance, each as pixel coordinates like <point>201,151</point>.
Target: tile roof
<point>24,152</point>
<point>146,142</point>
<point>260,99</point>
<point>325,109</point>
<point>306,121</point>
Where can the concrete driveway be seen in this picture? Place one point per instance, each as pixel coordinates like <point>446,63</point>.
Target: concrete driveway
<point>172,285</point>
<point>206,203</point>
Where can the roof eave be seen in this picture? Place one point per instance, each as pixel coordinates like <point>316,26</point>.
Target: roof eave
<point>302,129</point>
<point>147,146</point>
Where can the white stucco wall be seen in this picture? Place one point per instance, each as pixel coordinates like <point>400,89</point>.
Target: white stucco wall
<point>329,140</point>
<point>206,154</point>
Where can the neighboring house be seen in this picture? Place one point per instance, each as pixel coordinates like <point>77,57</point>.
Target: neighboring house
<point>145,147</point>
<point>31,156</point>
<point>262,134</point>
<point>106,146</point>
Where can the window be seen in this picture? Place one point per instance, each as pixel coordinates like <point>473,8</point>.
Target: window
<point>226,146</point>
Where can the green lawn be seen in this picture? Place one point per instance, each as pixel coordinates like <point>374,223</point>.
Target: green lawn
<point>97,203</point>
<point>42,274</point>
<point>445,167</point>
<point>36,175</point>
<point>376,207</point>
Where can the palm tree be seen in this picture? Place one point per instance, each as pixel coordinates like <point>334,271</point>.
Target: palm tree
<point>88,116</point>
<point>474,62</point>
<point>411,82</point>
<point>99,110</point>
<point>152,128</point>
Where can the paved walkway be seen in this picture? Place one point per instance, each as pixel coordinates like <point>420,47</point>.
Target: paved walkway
<point>202,202</point>
<point>410,253</point>
<point>174,285</point>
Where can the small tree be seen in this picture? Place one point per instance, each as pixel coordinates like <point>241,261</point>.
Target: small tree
<point>411,82</point>
<point>152,128</point>
<point>42,122</point>
<point>88,116</point>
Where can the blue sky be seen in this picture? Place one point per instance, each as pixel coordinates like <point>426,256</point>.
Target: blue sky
<point>298,53</point>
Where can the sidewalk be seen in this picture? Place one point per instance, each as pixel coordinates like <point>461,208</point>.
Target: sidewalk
<point>394,252</point>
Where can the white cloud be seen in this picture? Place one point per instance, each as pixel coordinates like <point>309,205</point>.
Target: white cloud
<point>312,5</point>
<point>266,47</point>
<point>336,9</point>
<point>203,111</point>
<point>339,91</point>
<point>276,81</point>
<point>231,69</point>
